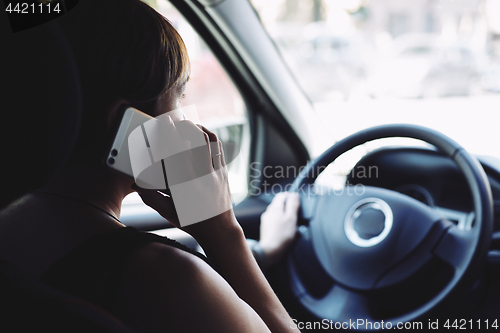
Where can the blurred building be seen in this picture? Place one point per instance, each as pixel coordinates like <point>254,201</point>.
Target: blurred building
<point>432,16</point>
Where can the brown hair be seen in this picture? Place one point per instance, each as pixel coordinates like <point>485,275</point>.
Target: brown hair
<point>124,49</point>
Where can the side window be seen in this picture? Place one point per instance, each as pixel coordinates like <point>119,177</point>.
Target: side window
<point>218,104</point>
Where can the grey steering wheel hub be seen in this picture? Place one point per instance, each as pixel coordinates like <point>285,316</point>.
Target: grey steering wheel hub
<point>368,222</point>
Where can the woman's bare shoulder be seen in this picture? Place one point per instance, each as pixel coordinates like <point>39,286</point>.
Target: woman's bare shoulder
<point>166,289</point>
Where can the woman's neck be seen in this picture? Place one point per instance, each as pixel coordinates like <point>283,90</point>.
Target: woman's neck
<point>99,187</point>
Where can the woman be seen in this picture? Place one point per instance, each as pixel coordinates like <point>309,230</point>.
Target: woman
<point>68,233</point>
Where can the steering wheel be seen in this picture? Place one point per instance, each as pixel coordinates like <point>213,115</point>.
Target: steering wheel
<point>373,254</point>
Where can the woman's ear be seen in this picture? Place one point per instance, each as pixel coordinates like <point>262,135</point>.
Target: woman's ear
<point>115,112</point>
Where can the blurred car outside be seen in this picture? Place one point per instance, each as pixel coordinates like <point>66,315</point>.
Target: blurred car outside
<point>329,66</point>
<point>424,65</point>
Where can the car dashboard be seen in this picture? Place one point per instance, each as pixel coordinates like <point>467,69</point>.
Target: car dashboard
<point>430,177</point>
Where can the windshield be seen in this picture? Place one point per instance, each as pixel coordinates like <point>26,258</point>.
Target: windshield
<point>369,62</point>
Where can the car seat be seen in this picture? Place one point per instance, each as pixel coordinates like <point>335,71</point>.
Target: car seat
<point>40,103</point>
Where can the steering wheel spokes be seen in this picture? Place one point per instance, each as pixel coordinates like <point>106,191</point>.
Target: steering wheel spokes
<point>452,248</point>
<point>463,220</point>
<point>360,238</point>
<point>360,252</point>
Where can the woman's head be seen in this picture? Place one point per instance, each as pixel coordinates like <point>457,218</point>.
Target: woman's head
<point>127,51</point>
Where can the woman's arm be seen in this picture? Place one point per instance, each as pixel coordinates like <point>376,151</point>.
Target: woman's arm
<point>224,243</point>
<point>234,261</point>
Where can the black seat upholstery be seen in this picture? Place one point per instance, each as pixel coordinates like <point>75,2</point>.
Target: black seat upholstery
<point>40,103</point>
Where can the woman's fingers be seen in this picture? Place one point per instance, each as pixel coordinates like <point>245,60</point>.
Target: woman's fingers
<point>287,202</point>
<point>215,145</point>
<point>222,158</point>
<point>163,204</point>
<point>211,135</point>
<point>278,225</point>
<point>292,204</point>
<point>216,155</point>
<point>279,201</point>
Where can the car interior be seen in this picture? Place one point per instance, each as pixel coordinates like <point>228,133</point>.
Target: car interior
<point>435,254</point>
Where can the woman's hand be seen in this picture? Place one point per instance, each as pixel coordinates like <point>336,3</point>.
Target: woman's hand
<point>197,177</point>
<point>278,225</point>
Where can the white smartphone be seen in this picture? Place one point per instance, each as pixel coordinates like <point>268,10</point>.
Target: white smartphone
<point>118,156</point>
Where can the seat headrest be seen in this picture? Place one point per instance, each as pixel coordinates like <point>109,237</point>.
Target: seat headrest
<point>40,106</point>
